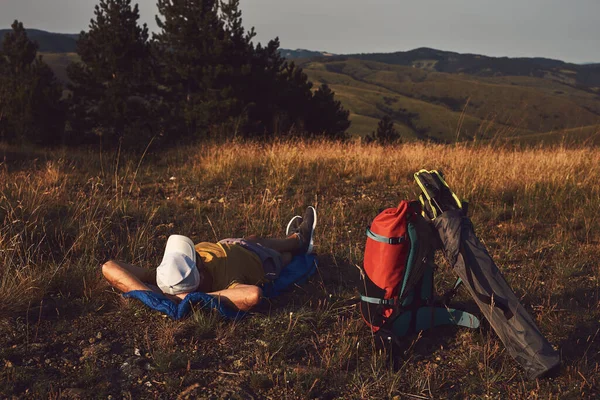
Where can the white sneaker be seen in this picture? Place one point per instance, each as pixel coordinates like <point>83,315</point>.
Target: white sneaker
<point>307,229</point>
<point>293,225</point>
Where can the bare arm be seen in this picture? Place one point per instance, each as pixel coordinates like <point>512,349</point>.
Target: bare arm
<point>242,297</point>
<point>126,277</point>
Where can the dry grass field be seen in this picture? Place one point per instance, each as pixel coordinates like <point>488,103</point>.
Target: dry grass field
<point>65,334</point>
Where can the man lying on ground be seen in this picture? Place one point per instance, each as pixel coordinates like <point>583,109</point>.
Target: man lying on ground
<point>232,269</point>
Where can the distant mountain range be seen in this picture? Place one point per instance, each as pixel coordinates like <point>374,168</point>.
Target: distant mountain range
<point>50,42</point>
<point>479,65</point>
<point>438,95</point>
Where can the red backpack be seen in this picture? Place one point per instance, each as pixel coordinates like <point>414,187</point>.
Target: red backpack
<point>397,253</point>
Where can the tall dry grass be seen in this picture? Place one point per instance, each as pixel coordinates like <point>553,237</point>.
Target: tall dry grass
<point>63,214</point>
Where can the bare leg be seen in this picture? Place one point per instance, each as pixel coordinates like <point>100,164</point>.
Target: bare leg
<point>286,245</point>
<point>243,297</point>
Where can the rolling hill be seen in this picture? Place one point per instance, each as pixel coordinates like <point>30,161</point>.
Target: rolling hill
<point>446,106</point>
<point>586,75</point>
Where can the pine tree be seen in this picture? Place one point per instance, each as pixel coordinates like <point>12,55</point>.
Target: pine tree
<point>112,86</point>
<point>213,75</point>
<point>293,99</point>
<point>386,133</point>
<point>191,48</point>
<point>245,77</point>
<point>20,52</point>
<point>30,97</point>
<point>328,116</point>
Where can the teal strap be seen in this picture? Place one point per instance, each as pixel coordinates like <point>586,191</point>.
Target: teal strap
<point>458,283</point>
<point>430,317</point>
<point>401,326</point>
<point>410,296</point>
<point>376,300</point>
<point>412,234</point>
<point>384,239</point>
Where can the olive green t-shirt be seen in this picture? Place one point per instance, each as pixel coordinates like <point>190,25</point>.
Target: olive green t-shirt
<point>230,264</point>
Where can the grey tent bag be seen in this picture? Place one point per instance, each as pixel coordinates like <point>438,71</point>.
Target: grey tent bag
<point>482,278</point>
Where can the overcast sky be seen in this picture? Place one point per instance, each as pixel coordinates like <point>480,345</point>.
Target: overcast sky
<point>561,29</point>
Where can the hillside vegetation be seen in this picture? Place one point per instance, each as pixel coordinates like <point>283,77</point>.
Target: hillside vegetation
<point>64,332</point>
<point>587,75</point>
<point>442,106</point>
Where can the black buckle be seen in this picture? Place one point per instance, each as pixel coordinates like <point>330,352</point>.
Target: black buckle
<point>397,240</point>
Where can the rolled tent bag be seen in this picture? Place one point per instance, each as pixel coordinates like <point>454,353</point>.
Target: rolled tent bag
<point>482,278</point>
